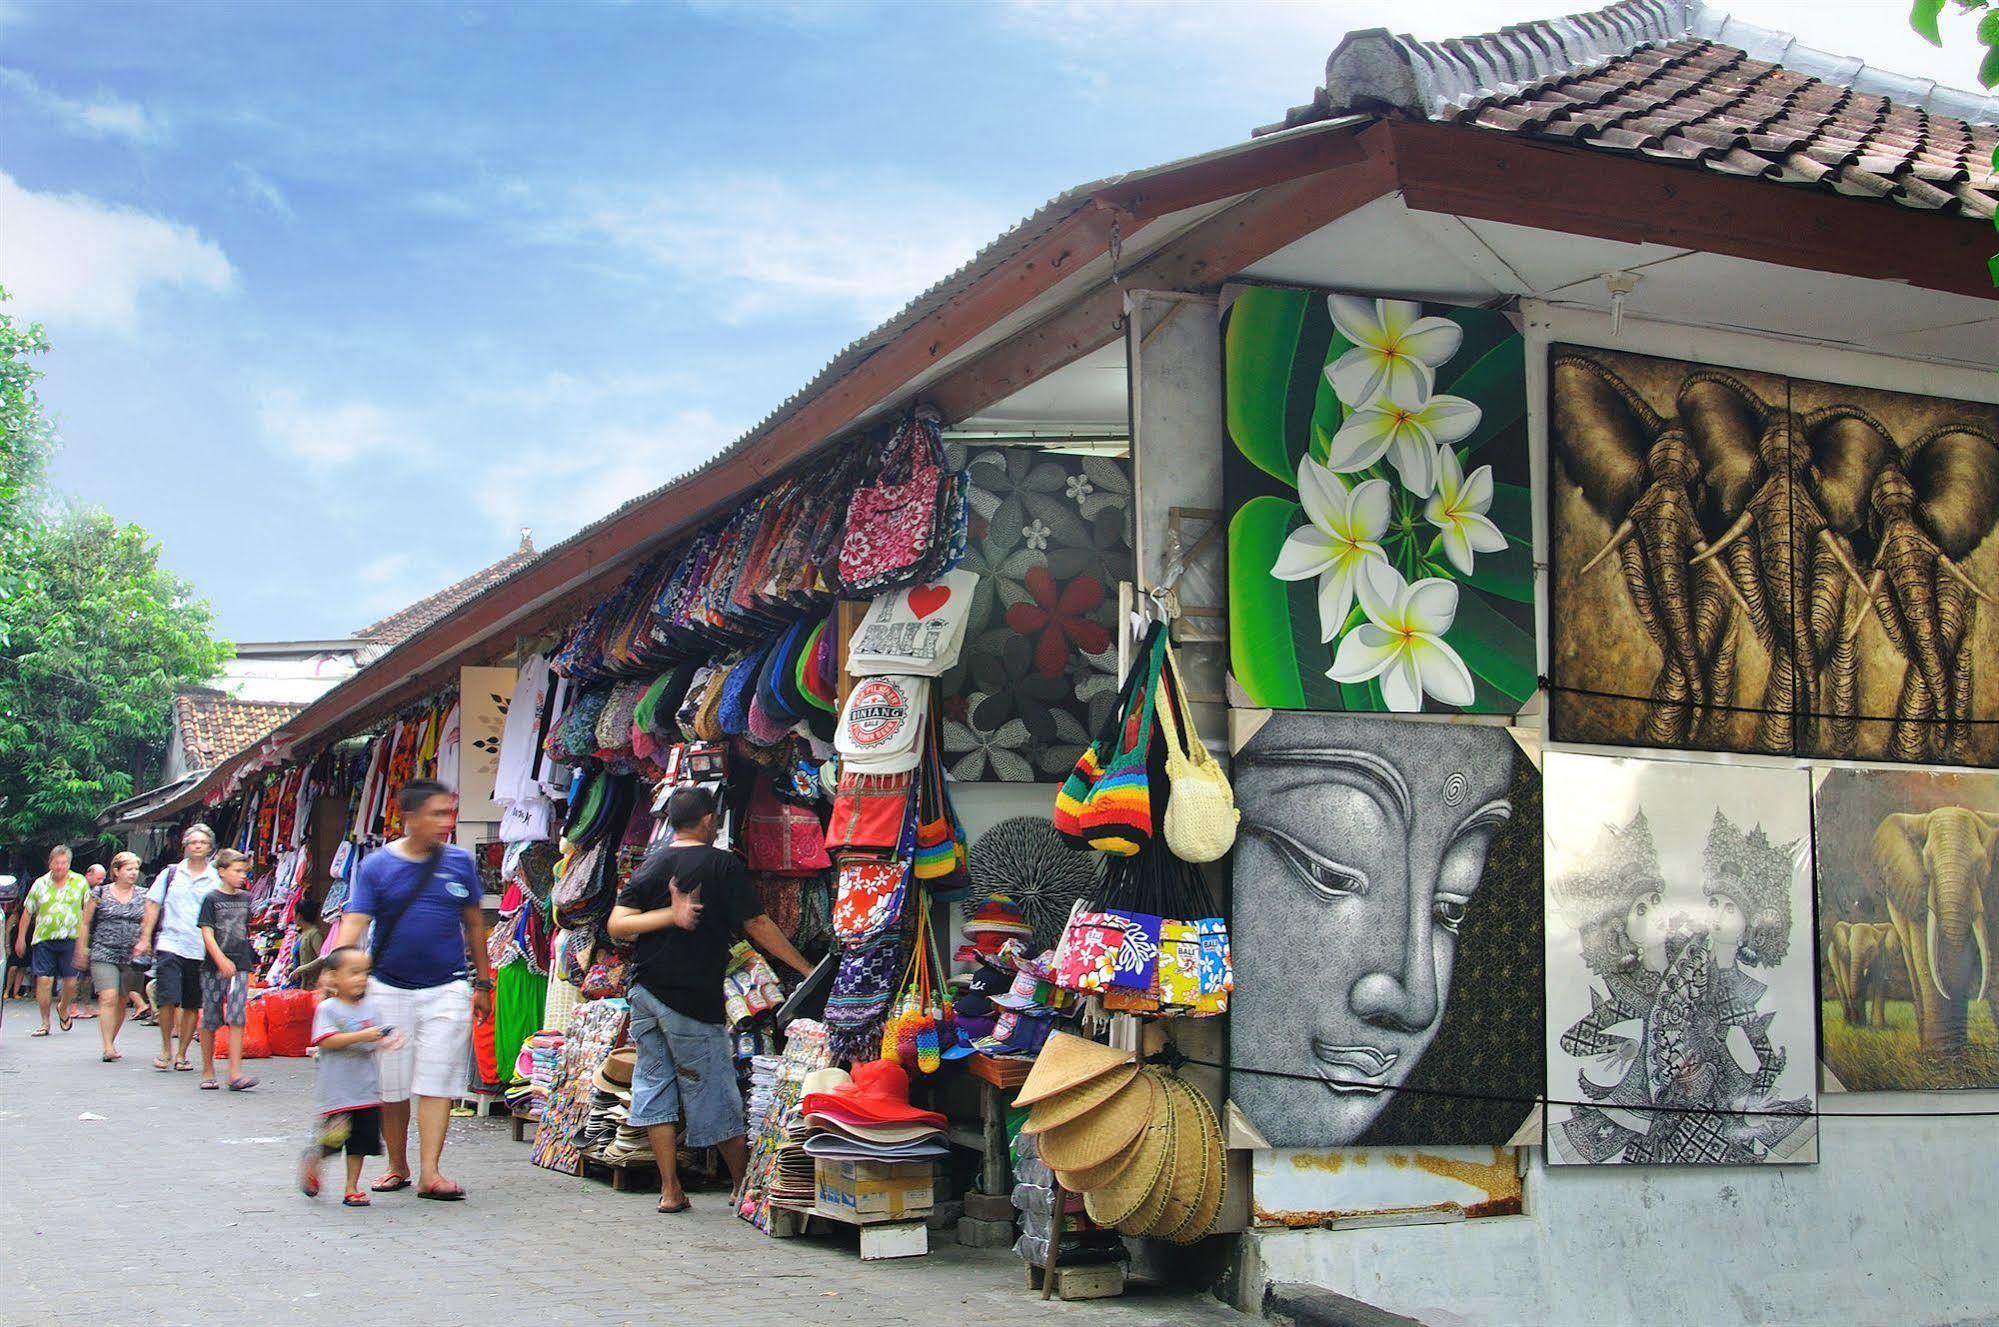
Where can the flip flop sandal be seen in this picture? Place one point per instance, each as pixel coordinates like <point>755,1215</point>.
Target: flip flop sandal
<point>664,1210</point>
<point>160,1063</point>
<point>183,1067</point>
<point>108,1059</point>
<point>356,1200</point>
<point>446,1192</point>
<point>391,1183</point>
<point>308,1173</point>
<point>243,1084</point>
<point>210,1085</point>
<point>67,1022</point>
<point>39,1032</point>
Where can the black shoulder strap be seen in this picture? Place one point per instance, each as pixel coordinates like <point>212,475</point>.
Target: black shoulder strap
<point>385,923</point>
<point>173,874</point>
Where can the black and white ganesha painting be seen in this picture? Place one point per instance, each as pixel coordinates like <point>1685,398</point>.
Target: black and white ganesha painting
<point>1681,1002</point>
<point>1386,931</point>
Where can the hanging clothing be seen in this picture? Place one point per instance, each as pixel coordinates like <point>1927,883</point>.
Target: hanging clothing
<point>520,998</point>
<point>447,749</point>
<point>518,735</point>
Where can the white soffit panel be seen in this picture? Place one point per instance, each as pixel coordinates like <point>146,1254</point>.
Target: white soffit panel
<point>1375,249</point>
<point>1089,395</point>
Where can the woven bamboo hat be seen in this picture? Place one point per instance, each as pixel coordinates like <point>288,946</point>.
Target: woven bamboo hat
<point>1209,1205</point>
<point>1067,1061</point>
<point>1188,1173</point>
<point>1094,1138</point>
<point>1096,1177</point>
<point>1119,1200</point>
<point>1073,1103</point>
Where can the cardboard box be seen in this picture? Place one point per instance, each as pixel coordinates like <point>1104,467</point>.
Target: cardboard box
<point>876,1190</point>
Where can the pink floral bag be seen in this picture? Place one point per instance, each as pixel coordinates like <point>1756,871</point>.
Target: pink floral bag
<point>892,519</point>
<point>1087,957</point>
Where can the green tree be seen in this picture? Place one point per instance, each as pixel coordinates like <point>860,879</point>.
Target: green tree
<point>98,636</point>
<point>1923,17</point>
<point>26,441</point>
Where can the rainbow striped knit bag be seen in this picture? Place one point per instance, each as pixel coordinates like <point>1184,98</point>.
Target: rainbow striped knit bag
<point>1118,817</point>
<point>1078,788</point>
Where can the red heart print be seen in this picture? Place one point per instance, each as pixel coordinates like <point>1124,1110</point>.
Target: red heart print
<point>927,599</point>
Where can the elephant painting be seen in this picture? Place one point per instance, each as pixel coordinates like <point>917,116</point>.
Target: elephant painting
<point>1790,567</point>
<point>1860,960</point>
<point>1908,919</point>
<point>1938,872</point>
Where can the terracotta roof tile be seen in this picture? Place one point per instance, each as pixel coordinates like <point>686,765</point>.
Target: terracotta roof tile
<point>215,725</point>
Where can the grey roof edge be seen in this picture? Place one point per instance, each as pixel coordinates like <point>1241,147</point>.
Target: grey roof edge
<point>1374,70</point>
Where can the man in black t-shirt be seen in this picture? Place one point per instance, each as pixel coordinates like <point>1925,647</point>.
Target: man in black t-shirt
<point>682,910</point>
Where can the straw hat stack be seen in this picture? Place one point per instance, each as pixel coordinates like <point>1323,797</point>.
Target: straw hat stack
<point>1142,1146</point>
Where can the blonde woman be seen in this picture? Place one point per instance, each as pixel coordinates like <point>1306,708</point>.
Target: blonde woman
<point>112,918</point>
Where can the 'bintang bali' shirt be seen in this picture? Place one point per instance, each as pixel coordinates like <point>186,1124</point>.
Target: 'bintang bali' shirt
<point>57,909</point>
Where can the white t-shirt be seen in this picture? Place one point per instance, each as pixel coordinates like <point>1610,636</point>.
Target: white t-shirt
<point>179,931</point>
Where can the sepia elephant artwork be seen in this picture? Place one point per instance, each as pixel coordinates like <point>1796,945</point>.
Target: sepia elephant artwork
<point>1749,562</point>
<point>1938,870</point>
<point>1907,918</point>
<point>1860,957</point>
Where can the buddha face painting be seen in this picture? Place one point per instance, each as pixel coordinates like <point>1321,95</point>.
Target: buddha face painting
<point>1365,842</point>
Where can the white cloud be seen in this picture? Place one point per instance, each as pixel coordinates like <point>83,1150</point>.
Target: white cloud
<point>327,437</point>
<point>101,116</point>
<point>262,190</point>
<point>558,486</point>
<point>755,242</point>
<point>73,261</point>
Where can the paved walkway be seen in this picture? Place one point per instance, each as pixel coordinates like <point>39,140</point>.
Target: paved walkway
<point>178,1207</point>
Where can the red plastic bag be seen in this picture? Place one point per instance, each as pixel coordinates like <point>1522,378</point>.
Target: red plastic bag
<point>484,1051</point>
<point>288,1021</point>
<point>256,1038</point>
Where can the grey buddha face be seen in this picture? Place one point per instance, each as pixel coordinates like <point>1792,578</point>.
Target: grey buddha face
<point>1364,846</point>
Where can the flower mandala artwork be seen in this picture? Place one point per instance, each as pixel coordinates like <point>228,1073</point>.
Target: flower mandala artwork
<point>1050,540</point>
<point>1380,539</point>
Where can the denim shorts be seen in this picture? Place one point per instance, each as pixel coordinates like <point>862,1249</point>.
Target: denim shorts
<point>685,1075</point>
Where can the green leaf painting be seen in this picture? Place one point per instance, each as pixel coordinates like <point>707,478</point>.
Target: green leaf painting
<point>1380,529</point>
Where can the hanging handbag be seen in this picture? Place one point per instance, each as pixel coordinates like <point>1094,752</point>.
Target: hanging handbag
<point>1075,792</point>
<point>941,858</point>
<point>872,892</point>
<point>892,518</point>
<point>1117,818</point>
<point>868,810</point>
<point>782,838</point>
<point>1201,815</point>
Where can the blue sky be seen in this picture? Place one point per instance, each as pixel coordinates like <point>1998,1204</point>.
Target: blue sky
<point>344,295</point>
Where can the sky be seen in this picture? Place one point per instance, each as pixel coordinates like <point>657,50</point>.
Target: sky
<point>342,297</point>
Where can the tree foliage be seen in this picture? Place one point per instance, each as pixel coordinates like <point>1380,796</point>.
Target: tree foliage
<point>99,636</point>
<point>1923,16</point>
<point>26,440</point>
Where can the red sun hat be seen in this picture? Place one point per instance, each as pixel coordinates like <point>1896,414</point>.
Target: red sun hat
<point>879,1094</point>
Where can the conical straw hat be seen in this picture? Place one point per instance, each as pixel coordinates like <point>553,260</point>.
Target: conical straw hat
<point>1188,1174</point>
<point>1094,1138</point>
<point>1096,1177</point>
<point>1209,1205</point>
<point>1116,1201</point>
<point>1067,1061</point>
<point>1075,1102</point>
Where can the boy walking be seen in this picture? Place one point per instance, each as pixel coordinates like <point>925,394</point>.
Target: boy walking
<point>225,972</point>
<point>347,1030</point>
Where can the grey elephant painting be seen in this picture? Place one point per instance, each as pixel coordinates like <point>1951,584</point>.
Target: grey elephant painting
<point>1680,963</point>
<point>1386,931</point>
<point>1909,891</point>
<point>1748,562</point>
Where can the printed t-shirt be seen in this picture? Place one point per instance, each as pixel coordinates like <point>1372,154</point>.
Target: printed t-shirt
<point>58,909</point>
<point>228,915</point>
<point>114,929</point>
<point>427,946</point>
<point>685,968</point>
<point>348,1078</point>
<point>181,892</point>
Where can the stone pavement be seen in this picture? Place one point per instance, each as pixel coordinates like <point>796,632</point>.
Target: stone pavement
<point>179,1207</point>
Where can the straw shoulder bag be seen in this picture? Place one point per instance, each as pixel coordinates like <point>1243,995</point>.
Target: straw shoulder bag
<point>1201,815</point>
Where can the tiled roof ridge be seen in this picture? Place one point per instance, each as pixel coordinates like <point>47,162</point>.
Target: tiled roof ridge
<point>214,724</point>
<point>1376,70</point>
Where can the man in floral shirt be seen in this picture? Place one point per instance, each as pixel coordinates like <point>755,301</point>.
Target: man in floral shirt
<point>51,918</point>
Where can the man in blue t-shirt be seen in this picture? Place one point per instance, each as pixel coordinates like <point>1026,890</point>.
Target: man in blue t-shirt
<point>422,895</point>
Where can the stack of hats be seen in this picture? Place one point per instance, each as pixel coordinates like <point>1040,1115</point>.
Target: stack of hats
<point>534,1073</point>
<point>1141,1145</point>
<point>606,1135</point>
<point>866,1116</point>
<point>993,923</point>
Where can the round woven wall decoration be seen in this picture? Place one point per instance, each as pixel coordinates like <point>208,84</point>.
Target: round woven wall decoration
<point>1025,859</point>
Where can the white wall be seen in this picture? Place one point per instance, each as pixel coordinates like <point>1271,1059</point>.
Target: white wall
<point>1894,1225</point>
<point>294,680</point>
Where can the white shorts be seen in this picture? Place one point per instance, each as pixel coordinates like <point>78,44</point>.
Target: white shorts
<point>435,1059</point>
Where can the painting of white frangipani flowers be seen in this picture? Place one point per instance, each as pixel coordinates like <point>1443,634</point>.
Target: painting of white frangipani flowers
<point>1380,542</point>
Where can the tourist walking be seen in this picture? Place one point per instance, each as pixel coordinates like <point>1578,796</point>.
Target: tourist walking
<point>113,917</point>
<point>172,926</point>
<point>227,960</point>
<point>46,937</point>
<point>681,911</point>
<point>422,895</point>
<point>349,1034</point>
<point>84,1004</point>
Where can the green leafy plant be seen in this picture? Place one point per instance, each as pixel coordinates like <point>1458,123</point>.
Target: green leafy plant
<point>1924,16</point>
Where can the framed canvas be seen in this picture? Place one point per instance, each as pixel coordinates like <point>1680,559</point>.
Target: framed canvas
<point>1380,544</point>
<point>1681,986</point>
